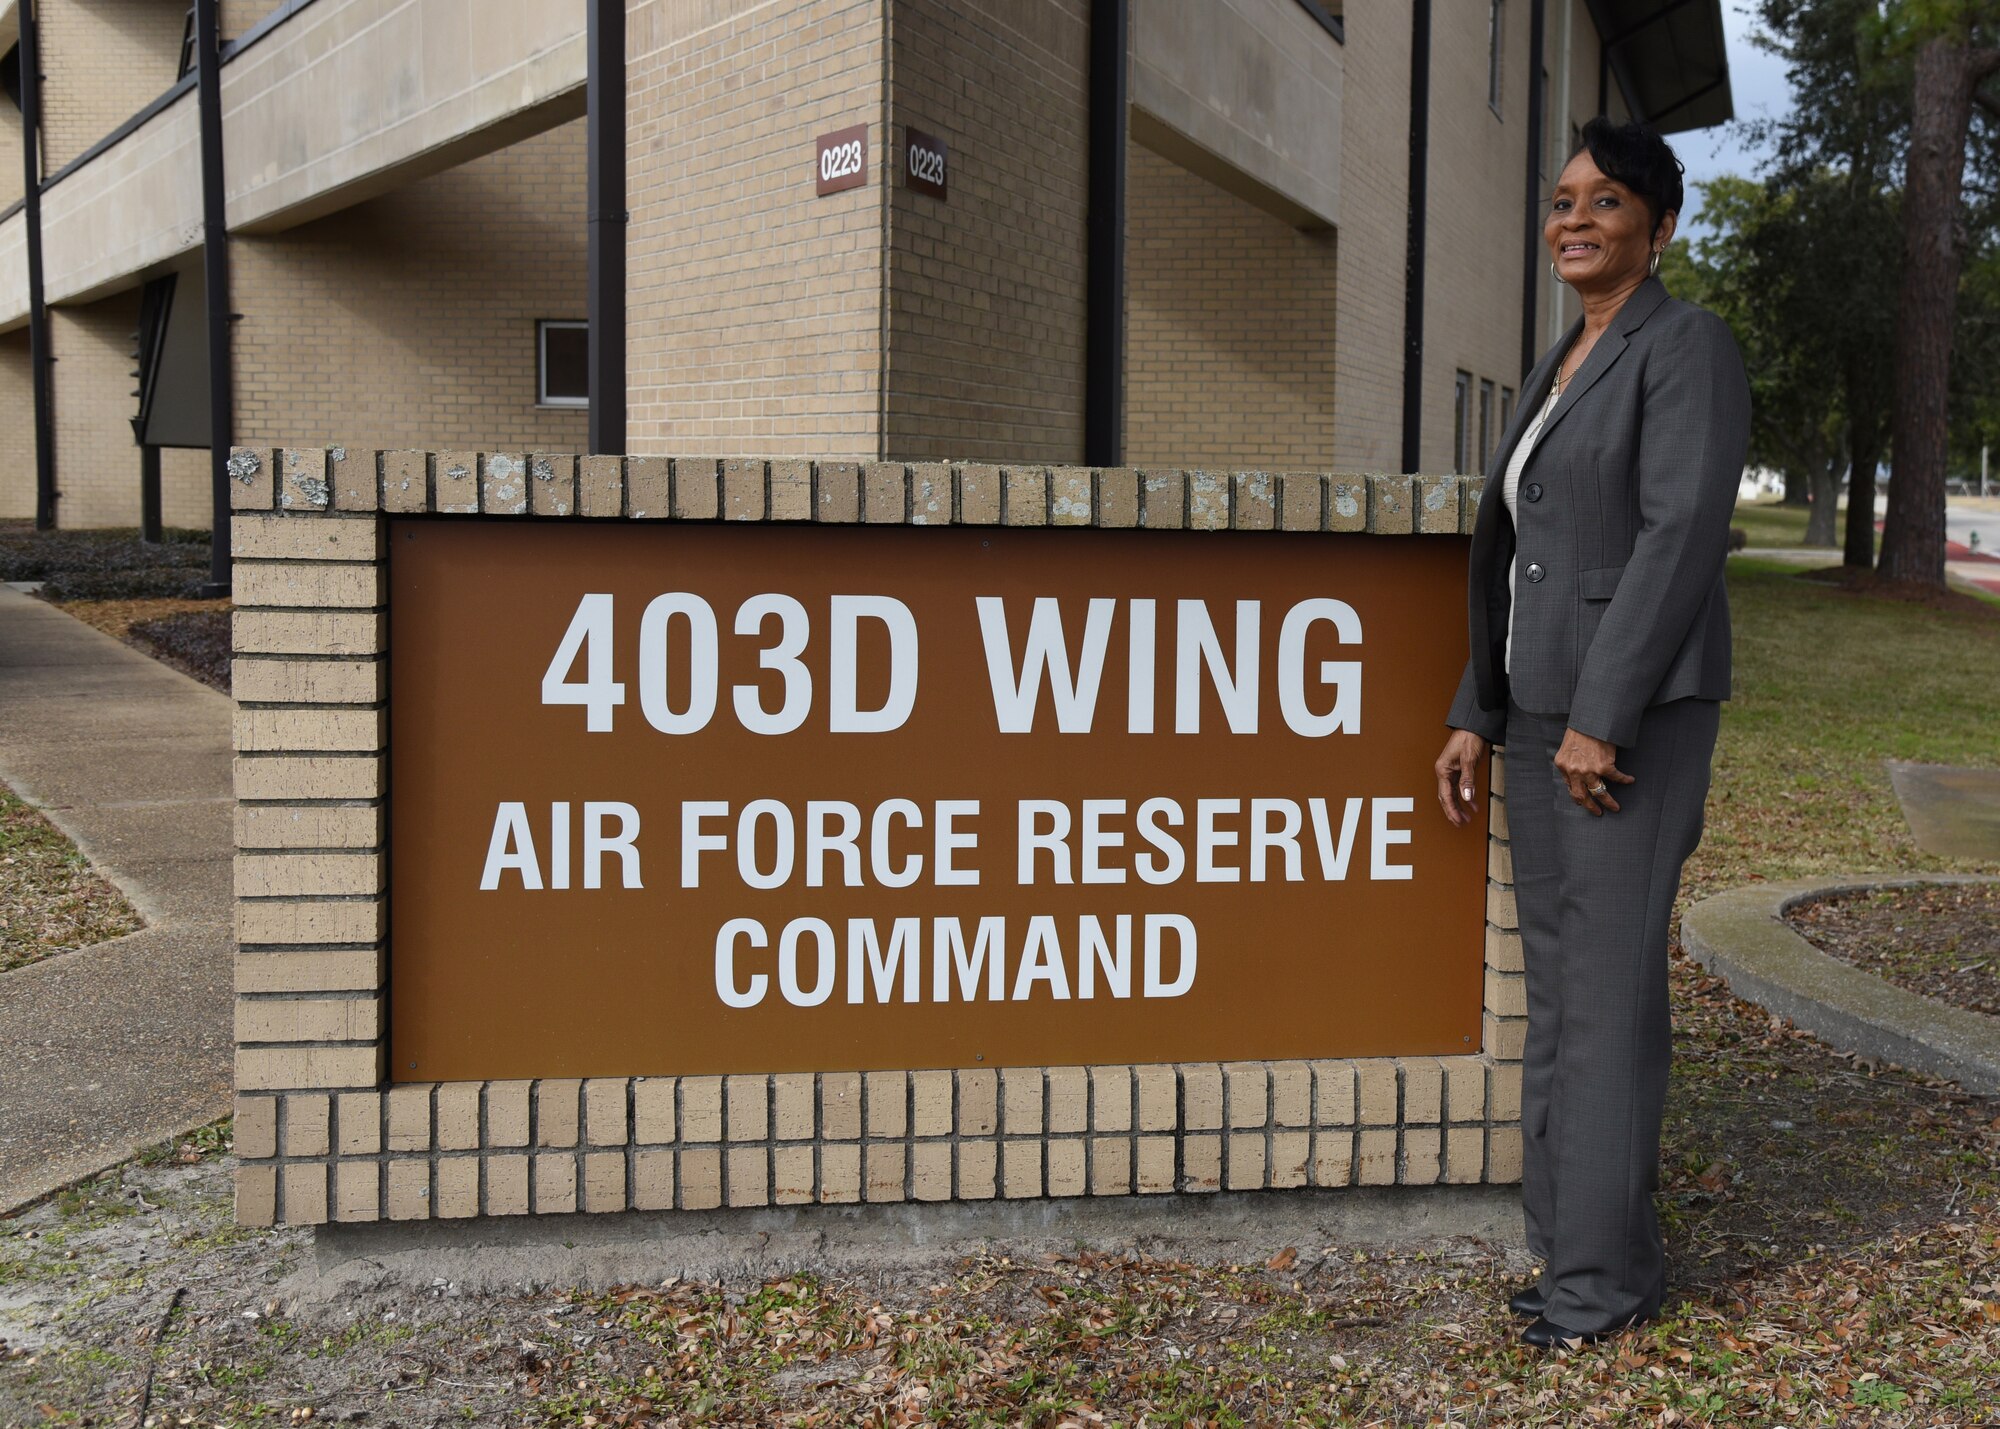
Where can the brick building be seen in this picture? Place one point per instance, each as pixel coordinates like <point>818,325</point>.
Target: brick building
<point>1192,248</point>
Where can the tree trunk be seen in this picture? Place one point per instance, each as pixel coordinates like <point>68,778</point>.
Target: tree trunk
<point>1864,451</point>
<point>1913,538</point>
<point>1799,487</point>
<point>1825,481</point>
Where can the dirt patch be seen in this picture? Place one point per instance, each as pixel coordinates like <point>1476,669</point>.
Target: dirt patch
<point>51,899</point>
<point>1940,941</point>
<point>1858,581</point>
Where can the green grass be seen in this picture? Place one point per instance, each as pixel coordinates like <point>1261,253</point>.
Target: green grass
<point>1828,685</point>
<point>1769,524</point>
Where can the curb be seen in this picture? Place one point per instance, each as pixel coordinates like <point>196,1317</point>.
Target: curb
<point>1741,935</point>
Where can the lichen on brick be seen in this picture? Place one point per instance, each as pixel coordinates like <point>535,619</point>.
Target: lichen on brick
<point>337,454</point>
<point>457,471</point>
<point>542,469</point>
<point>244,466</point>
<point>1435,498</point>
<point>308,491</point>
<point>1344,501</point>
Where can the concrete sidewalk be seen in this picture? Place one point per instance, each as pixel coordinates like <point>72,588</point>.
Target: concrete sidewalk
<point>110,1048</point>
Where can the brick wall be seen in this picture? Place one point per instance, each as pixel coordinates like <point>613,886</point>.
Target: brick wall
<point>986,289</point>
<point>17,427</point>
<point>755,308</point>
<point>11,187</point>
<point>410,318</point>
<point>1230,337</point>
<point>104,60</point>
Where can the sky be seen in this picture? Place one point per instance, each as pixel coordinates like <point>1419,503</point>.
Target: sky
<point>1758,85</point>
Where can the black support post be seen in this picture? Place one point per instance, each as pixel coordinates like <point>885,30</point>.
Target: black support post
<point>1104,305</point>
<point>41,361</point>
<point>608,218</point>
<point>1533,254</point>
<point>151,531</point>
<point>1416,236</point>
<point>215,269</point>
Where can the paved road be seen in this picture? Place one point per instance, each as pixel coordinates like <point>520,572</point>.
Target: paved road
<point>111,1048</point>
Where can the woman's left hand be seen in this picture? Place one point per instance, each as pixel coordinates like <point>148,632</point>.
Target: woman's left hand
<point>1590,767</point>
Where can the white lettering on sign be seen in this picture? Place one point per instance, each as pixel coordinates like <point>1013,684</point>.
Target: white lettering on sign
<point>837,161</point>
<point>925,163</point>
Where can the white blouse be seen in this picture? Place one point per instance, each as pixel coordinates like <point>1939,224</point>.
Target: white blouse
<point>1510,484</point>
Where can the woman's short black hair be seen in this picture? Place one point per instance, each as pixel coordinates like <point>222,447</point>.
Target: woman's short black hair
<point>1639,159</point>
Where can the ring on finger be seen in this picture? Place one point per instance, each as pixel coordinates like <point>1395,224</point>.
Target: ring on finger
<point>1597,788</point>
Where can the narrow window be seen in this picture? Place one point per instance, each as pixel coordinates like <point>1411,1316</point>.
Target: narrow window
<point>1461,423</point>
<point>1496,26</point>
<point>562,364</point>
<point>1486,433</point>
<point>1506,411</point>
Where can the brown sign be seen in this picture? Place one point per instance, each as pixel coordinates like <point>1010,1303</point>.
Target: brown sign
<point>840,160</point>
<point>702,799</point>
<point>926,163</point>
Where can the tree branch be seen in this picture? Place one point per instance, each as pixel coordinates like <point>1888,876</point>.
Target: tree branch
<point>1982,63</point>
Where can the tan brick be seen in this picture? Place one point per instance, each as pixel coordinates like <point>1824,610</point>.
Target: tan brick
<point>1301,500</point>
<point>1156,1165</point>
<point>653,1180</point>
<point>503,483</point>
<point>884,493</point>
<point>1068,1099</point>
<point>307,875</point>
<point>1291,1094</point>
<point>303,586</point>
<point>701,1108</point>
<point>302,480</point>
<point>653,1110</point>
<point>1255,497</point>
<point>252,478</point>
<point>1464,1088</point>
<point>978,1170</point>
<point>1375,1157</point>
<point>345,1019</point>
<point>1347,504</point>
<point>1246,1161</point>
<point>1500,908</point>
<point>1500,861</point>
<point>1502,1038</point>
<point>1503,1091</point>
<point>791,491</point>
<point>605,1118</point>
<point>1070,499</point>
<point>1163,500</point>
<point>930,1097</point>
<point>409,1190</point>
<point>792,1176</point>
<point>930,494</point>
<point>930,1171</point>
<point>1423,1151</point>
<point>1201,1163</point>
<point>978,1102</point>
<point>506,1185</point>
<point>792,1106</point>
<point>697,493</point>
<point>1503,950</point>
<point>1506,993</point>
<point>357,1191</point>
<point>280,776</point>
<point>458,1116</point>
<point>270,1068</point>
<point>551,483</point>
<point>1465,1154</point>
<point>256,1128</point>
<point>883,1165</point>
<point>749,1108</point>
<point>978,494</point>
<point>1423,1090</point>
<point>1025,499</point>
<point>555,1183</point>
<point>1291,1159</point>
<point>410,1117</point>
<point>1021,1103</point>
<point>1020,1169</point>
<point>455,482</point>
<point>507,1113</point>
<point>309,1125</point>
<point>305,1194</point>
<point>256,1195</point>
<point>1498,767</point>
<point>556,1111</point>
<point>1503,1155</point>
<point>406,481</point>
<point>1111,1166</point>
<point>1208,501</point>
<point>360,1118</point>
<point>1066,1164</point>
<point>840,1174</point>
<point>1391,505</point>
<point>600,486</point>
<point>1378,1101</point>
<point>317,731</point>
<point>749,1176</point>
<point>840,1106</point>
<point>1111,1098</point>
<point>839,492</point>
<point>1333,1158</point>
<point>1437,505</point>
<point>649,487</point>
<point>309,682</point>
<point>1201,1097</point>
<point>1249,1094</point>
<point>1159,1098</point>
<point>1117,497</point>
<point>286,538</point>
<point>888,1112</point>
<point>291,826</point>
<point>332,970</point>
<point>1496,817</point>
<point>293,632</point>
<point>457,1188</point>
<point>1468,511</point>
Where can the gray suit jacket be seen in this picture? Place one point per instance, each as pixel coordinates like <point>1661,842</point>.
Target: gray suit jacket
<point>1623,510</point>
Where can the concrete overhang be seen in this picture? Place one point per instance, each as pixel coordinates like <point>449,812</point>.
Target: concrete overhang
<point>1669,59</point>
<point>10,24</point>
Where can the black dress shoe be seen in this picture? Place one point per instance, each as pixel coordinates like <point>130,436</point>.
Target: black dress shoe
<point>1529,1303</point>
<point>1546,1334</point>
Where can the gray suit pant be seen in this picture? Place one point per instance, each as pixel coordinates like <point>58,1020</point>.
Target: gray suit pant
<point>1595,895</point>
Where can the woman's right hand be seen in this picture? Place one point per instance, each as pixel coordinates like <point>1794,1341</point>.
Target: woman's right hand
<point>1457,773</point>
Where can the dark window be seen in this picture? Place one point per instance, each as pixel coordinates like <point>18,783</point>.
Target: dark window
<point>1496,26</point>
<point>1486,432</point>
<point>1327,14</point>
<point>1506,411</point>
<point>1461,423</point>
<point>563,364</point>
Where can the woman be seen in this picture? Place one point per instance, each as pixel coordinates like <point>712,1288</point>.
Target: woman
<point>1600,653</point>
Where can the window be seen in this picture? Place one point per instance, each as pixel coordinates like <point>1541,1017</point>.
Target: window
<point>1496,26</point>
<point>1506,412</point>
<point>1461,423</point>
<point>1486,432</point>
<point>562,364</point>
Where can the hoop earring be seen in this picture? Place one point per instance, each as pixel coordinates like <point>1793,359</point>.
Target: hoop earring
<point>1554,276</point>
<point>1653,269</point>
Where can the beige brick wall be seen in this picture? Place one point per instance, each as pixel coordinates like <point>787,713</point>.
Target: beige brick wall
<point>1230,340</point>
<point>986,288</point>
<point>409,320</point>
<point>17,427</point>
<point>103,61</point>
<point>11,187</point>
<point>755,307</point>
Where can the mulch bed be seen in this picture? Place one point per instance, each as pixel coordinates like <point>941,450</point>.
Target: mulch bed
<point>1940,941</point>
<point>190,635</point>
<point>1858,581</point>
<point>51,899</point>
<point>104,565</point>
